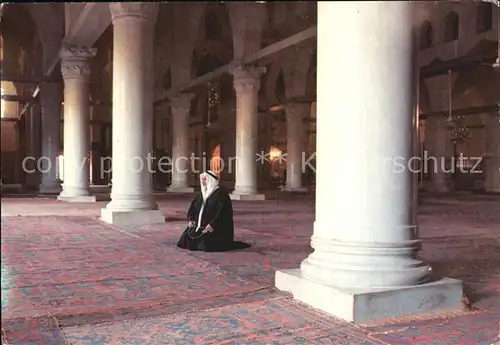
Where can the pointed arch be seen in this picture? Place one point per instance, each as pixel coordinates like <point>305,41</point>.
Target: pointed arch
<point>50,32</point>
<point>209,54</point>
<point>247,24</point>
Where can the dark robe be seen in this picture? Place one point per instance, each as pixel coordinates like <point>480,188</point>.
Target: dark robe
<point>218,213</point>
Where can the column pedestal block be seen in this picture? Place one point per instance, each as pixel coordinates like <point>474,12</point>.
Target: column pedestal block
<point>180,190</point>
<point>127,218</point>
<point>247,197</point>
<point>77,199</point>
<point>369,304</point>
<point>294,190</point>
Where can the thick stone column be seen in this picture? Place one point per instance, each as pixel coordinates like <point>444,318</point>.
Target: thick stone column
<point>436,155</point>
<point>50,100</point>
<point>492,160</point>
<point>364,265</point>
<point>132,198</point>
<point>295,114</point>
<point>75,69</point>
<point>181,107</point>
<point>247,85</point>
<point>33,123</point>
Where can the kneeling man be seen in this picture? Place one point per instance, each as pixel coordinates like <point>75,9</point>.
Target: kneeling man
<point>210,219</point>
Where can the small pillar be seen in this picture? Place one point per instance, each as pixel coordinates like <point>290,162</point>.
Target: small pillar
<point>492,160</point>
<point>295,114</point>
<point>75,69</point>
<point>246,84</point>
<point>436,162</point>
<point>50,100</point>
<point>181,107</point>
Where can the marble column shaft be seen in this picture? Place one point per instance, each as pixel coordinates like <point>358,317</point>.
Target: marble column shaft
<point>75,67</point>
<point>436,155</point>
<point>492,162</point>
<point>372,239</point>
<point>132,198</point>
<point>50,100</point>
<point>365,264</point>
<point>181,108</point>
<point>246,84</point>
<point>295,115</point>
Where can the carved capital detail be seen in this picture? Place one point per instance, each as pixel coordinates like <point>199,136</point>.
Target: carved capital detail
<point>181,103</point>
<point>75,62</point>
<point>142,10</point>
<point>247,79</point>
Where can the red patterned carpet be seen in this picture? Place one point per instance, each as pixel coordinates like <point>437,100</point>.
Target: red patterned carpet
<point>69,279</point>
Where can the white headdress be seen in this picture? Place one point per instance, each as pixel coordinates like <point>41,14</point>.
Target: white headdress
<point>212,183</point>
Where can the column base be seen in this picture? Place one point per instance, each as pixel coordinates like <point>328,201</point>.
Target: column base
<point>436,187</point>
<point>180,190</point>
<point>365,305</point>
<point>50,190</point>
<point>294,190</point>
<point>492,181</point>
<point>127,218</point>
<point>77,199</point>
<point>247,197</point>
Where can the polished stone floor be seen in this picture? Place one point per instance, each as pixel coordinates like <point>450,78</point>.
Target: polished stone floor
<point>69,279</point>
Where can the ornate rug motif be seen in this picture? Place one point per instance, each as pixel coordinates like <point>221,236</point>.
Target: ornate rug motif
<point>73,280</point>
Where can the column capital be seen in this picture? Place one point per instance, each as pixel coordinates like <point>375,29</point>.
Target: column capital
<point>75,61</point>
<point>247,79</point>
<point>142,10</point>
<point>182,102</point>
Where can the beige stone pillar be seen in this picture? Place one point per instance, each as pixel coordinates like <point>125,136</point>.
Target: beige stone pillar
<point>436,162</point>
<point>50,100</point>
<point>295,115</point>
<point>365,265</point>
<point>181,108</point>
<point>29,164</point>
<point>75,69</point>
<point>132,198</point>
<point>247,85</point>
<point>491,168</point>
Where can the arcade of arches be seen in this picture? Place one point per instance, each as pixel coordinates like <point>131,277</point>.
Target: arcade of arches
<point>240,88</point>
